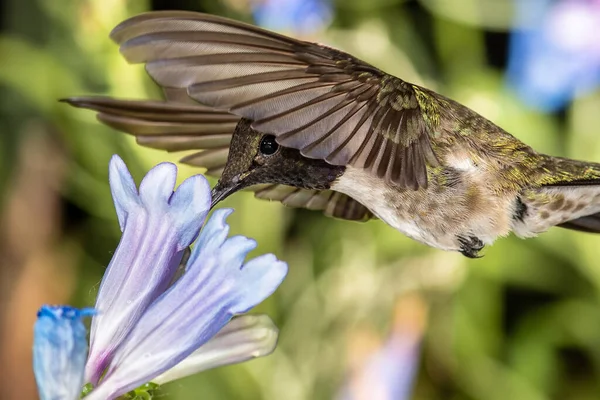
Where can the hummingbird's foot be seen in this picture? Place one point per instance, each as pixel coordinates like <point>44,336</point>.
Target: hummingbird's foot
<point>470,246</point>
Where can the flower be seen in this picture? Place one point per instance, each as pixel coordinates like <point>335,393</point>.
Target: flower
<point>388,372</point>
<point>554,51</point>
<point>300,16</point>
<point>153,323</point>
<point>146,325</point>
<point>59,352</point>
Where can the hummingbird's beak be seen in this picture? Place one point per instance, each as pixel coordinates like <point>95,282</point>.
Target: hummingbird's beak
<point>222,191</point>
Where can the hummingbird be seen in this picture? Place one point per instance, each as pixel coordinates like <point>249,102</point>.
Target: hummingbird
<point>314,127</point>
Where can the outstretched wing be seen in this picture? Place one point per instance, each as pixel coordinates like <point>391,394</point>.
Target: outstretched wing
<point>176,127</point>
<point>321,101</point>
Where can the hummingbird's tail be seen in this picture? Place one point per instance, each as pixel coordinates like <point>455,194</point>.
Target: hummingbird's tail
<point>169,125</point>
<point>567,195</point>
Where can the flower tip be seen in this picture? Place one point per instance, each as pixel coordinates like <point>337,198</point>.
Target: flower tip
<point>266,334</point>
<point>222,213</point>
<point>218,220</point>
<point>123,189</point>
<point>195,190</point>
<point>116,162</point>
<point>192,202</point>
<point>269,261</point>
<point>117,169</point>
<point>261,277</point>
<point>235,249</point>
<point>158,185</point>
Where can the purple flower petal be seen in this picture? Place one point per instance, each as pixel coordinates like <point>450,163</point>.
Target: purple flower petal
<point>122,187</point>
<point>191,197</point>
<point>212,236</point>
<point>157,186</point>
<point>157,226</point>
<point>243,338</point>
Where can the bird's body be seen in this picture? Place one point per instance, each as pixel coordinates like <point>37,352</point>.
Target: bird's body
<point>487,184</point>
<point>323,130</point>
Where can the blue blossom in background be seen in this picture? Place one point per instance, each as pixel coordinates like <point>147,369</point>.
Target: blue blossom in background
<point>60,351</point>
<point>554,51</point>
<point>298,16</point>
<point>388,371</point>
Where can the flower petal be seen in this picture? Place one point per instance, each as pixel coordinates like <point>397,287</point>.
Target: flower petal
<point>59,352</point>
<point>158,227</point>
<point>243,338</point>
<point>157,186</point>
<point>213,234</point>
<point>257,280</point>
<point>123,189</point>
<point>191,197</point>
<point>214,288</point>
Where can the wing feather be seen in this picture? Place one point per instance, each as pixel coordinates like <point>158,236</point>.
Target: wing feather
<point>321,101</point>
<point>333,204</point>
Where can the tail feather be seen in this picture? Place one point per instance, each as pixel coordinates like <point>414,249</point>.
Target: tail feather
<point>566,193</point>
<point>574,177</point>
<point>566,172</point>
<point>590,224</point>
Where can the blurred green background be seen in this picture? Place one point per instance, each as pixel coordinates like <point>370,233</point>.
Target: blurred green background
<point>523,322</point>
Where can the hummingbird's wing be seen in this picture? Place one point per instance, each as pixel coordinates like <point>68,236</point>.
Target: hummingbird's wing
<point>333,204</point>
<point>169,126</point>
<point>177,127</point>
<point>321,101</point>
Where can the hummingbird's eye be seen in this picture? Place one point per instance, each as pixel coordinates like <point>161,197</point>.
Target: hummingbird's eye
<point>268,145</point>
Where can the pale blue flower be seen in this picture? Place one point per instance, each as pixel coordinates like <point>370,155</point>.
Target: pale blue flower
<point>554,51</point>
<point>158,224</point>
<point>146,327</point>
<point>59,352</point>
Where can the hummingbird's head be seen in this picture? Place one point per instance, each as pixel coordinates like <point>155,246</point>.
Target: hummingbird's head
<point>256,158</point>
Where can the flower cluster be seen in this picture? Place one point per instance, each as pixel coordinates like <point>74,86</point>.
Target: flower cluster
<point>154,319</point>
